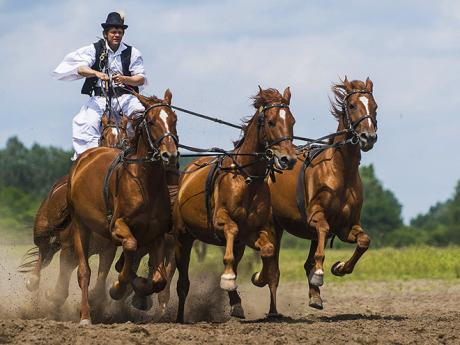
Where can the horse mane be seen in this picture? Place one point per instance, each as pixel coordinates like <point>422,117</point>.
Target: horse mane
<point>263,98</point>
<point>340,92</point>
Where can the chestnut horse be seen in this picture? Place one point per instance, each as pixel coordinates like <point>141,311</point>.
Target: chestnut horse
<point>124,197</point>
<point>327,199</point>
<point>227,203</point>
<point>51,231</point>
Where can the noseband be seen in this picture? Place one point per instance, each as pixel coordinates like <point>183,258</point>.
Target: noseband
<point>351,126</point>
<point>153,144</point>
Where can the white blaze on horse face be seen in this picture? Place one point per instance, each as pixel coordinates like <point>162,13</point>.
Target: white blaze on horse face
<point>164,118</point>
<point>283,115</point>
<point>365,101</point>
<point>114,131</point>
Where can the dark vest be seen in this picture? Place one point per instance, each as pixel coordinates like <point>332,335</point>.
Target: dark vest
<point>90,83</point>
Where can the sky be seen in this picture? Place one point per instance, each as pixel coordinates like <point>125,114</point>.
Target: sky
<point>214,54</point>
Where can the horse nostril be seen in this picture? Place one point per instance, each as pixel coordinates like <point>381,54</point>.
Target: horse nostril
<point>165,156</point>
<point>284,161</point>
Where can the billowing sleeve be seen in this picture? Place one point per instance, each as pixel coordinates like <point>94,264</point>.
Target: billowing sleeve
<point>67,70</point>
<point>136,66</point>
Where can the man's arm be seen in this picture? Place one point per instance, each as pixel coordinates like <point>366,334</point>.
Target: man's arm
<point>134,80</point>
<point>88,72</point>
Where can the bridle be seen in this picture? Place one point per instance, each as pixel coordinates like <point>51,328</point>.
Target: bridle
<point>261,125</point>
<point>120,144</point>
<point>351,126</point>
<point>153,151</point>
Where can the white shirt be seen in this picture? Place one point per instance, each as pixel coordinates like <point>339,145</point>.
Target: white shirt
<point>67,70</point>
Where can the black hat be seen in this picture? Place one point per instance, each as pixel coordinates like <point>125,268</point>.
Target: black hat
<point>114,19</point>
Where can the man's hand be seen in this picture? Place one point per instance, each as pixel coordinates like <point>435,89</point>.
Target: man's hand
<point>119,79</point>
<point>102,76</point>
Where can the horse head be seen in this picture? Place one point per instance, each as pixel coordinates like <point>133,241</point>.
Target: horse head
<point>275,122</point>
<point>159,125</point>
<point>356,107</point>
<point>113,134</point>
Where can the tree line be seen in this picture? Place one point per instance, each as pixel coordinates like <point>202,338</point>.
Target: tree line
<point>26,175</point>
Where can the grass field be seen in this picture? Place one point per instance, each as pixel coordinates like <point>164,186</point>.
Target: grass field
<point>377,264</point>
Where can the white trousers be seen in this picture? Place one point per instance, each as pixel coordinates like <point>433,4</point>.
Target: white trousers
<point>86,126</point>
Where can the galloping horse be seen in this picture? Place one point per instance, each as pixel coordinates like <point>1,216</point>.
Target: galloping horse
<point>124,196</point>
<point>323,196</point>
<point>51,231</point>
<point>227,203</point>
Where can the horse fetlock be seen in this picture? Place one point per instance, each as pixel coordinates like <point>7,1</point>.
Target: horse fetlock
<point>237,311</point>
<point>117,290</point>
<point>142,302</point>
<point>316,302</point>
<point>316,278</point>
<point>33,282</point>
<point>228,282</point>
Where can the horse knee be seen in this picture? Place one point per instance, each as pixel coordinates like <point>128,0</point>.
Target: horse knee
<point>267,250</point>
<point>363,241</point>
<point>129,244</point>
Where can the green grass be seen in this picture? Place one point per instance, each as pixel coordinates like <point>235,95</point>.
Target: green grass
<point>376,264</point>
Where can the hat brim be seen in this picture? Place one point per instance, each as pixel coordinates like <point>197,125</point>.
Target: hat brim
<point>106,26</point>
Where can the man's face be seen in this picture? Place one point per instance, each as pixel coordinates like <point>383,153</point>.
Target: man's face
<point>114,36</point>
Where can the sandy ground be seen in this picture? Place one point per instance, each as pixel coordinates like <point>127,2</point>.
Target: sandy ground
<point>411,312</point>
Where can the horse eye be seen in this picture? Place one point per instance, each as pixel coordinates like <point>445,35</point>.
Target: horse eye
<point>352,106</point>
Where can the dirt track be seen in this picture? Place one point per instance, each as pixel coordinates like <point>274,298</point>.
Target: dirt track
<point>413,312</point>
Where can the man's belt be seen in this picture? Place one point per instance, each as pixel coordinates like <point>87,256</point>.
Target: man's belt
<point>114,92</point>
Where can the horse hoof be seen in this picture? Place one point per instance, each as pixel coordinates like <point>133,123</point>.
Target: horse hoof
<point>141,302</point>
<point>117,291</point>
<point>237,311</point>
<point>255,280</point>
<point>228,282</point>
<point>335,269</point>
<point>85,322</point>
<point>142,286</point>
<point>32,283</point>
<point>316,302</point>
<point>316,278</point>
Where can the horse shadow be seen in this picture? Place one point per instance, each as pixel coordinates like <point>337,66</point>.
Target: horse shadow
<point>328,319</point>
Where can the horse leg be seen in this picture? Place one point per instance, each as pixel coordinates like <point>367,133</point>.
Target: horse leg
<point>314,292</point>
<point>316,276</point>
<point>81,243</point>
<point>67,264</point>
<point>236,309</point>
<point>269,244</point>
<point>33,282</point>
<point>97,294</point>
<point>228,277</point>
<point>359,236</point>
<point>164,296</point>
<point>122,233</point>
<point>183,251</point>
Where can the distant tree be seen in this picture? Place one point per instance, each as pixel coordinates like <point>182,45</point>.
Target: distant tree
<point>381,212</point>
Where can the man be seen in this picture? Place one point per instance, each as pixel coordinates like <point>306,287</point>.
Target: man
<point>97,62</point>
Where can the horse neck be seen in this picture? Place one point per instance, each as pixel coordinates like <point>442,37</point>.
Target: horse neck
<point>348,156</point>
<point>252,144</point>
<point>151,172</point>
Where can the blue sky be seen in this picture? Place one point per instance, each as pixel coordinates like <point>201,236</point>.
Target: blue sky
<point>213,54</point>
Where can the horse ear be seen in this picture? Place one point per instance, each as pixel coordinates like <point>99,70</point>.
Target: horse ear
<point>104,120</point>
<point>260,89</point>
<point>287,95</point>
<point>347,84</point>
<point>168,96</point>
<point>369,85</point>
